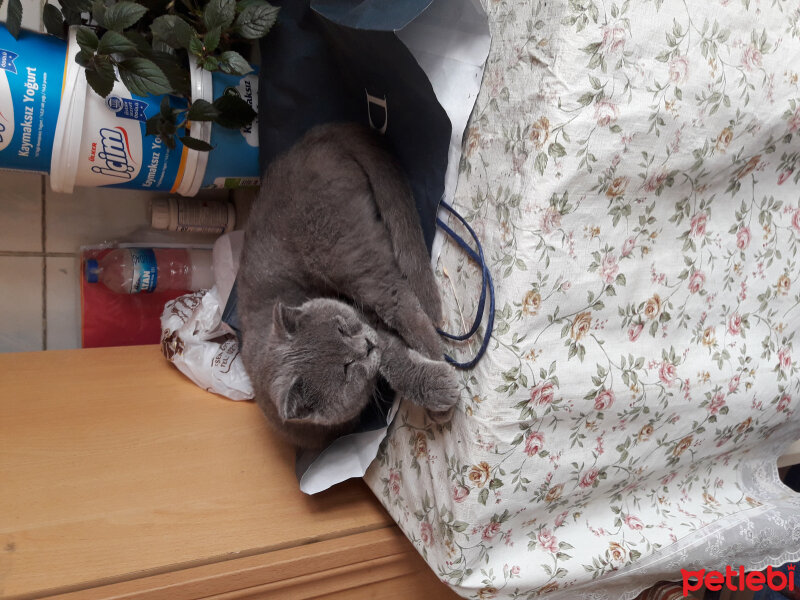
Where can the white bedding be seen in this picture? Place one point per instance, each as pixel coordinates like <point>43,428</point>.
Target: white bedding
<point>631,170</point>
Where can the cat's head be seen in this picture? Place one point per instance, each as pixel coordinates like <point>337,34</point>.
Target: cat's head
<point>326,362</point>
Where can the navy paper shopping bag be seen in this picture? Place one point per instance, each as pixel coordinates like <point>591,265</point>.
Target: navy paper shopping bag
<point>342,61</point>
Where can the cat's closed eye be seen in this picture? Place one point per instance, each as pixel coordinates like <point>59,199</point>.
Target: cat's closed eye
<point>341,325</point>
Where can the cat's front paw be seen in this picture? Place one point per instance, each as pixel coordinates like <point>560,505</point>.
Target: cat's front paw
<point>438,388</point>
<point>423,337</point>
<point>431,301</point>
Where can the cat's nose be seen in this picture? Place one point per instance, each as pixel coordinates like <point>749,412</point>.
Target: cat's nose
<point>370,345</point>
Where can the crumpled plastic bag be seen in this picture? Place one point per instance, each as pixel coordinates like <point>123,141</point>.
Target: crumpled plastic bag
<point>194,338</point>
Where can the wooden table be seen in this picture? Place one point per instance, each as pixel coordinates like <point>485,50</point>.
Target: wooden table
<point>119,478</point>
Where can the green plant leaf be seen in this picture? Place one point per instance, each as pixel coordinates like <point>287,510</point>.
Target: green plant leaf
<point>53,20</point>
<point>122,15</point>
<point>104,65</point>
<point>211,39</point>
<point>116,43</point>
<point>152,125</point>
<point>234,63</point>
<point>219,13</point>
<point>202,110</point>
<point>210,63</point>
<point>256,20</point>
<point>242,4</point>
<point>71,17</point>
<point>160,125</point>
<point>166,108</point>
<point>14,17</point>
<point>141,43</point>
<point>196,144</point>
<point>101,79</point>
<point>84,58</point>
<point>143,77</point>
<point>178,75</point>
<point>196,46</point>
<point>172,30</point>
<point>99,12</point>
<point>87,39</point>
<point>77,6</point>
<point>234,113</point>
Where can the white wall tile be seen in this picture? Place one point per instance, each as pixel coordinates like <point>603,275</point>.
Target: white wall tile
<point>20,303</point>
<point>20,212</point>
<point>94,215</point>
<point>63,303</point>
<point>31,14</point>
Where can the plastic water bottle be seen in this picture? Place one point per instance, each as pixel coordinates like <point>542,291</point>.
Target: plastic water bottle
<point>135,270</point>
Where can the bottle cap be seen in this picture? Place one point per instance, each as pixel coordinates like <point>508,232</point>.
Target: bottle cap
<point>92,270</point>
<point>159,214</point>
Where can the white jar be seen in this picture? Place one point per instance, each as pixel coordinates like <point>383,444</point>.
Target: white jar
<point>193,215</point>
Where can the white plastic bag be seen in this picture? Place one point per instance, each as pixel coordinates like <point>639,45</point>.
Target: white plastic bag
<point>194,338</point>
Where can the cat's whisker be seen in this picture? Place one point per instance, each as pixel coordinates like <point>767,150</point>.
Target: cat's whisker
<point>377,398</point>
<point>455,297</point>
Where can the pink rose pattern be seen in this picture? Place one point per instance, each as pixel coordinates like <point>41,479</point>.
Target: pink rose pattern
<point>534,443</point>
<point>624,162</point>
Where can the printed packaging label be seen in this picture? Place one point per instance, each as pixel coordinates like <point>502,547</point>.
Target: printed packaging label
<point>116,151</point>
<point>128,108</point>
<point>31,75</point>
<point>145,270</point>
<point>235,154</point>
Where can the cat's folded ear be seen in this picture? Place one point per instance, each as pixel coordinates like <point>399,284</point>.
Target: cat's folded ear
<point>285,319</point>
<point>298,403</point>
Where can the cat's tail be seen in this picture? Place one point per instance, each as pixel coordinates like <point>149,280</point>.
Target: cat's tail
<point>395,202</point>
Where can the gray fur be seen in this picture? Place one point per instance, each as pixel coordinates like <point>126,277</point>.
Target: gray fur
<point>335,228</point>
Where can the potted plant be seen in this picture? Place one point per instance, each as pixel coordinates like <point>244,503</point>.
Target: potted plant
<point>146,45</point>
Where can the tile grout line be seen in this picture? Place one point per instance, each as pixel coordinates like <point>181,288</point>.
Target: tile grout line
<point>44,261</point>
<point>25,254</point>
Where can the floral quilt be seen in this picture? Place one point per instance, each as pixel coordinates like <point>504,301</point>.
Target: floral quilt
<point>631,168</point>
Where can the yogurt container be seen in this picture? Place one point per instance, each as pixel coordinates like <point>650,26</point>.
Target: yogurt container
<point>237,165</point>
<point>31,80</point>
<point>102,142</point>
<point>233,163</point>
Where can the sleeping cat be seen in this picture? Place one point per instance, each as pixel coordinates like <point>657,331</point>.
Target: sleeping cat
<point>335,287</point>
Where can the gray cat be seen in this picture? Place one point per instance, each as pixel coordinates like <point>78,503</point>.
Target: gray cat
<point>335,287</point>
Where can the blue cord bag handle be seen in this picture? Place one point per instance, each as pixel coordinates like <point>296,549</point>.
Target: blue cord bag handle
<point>486,283</point>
